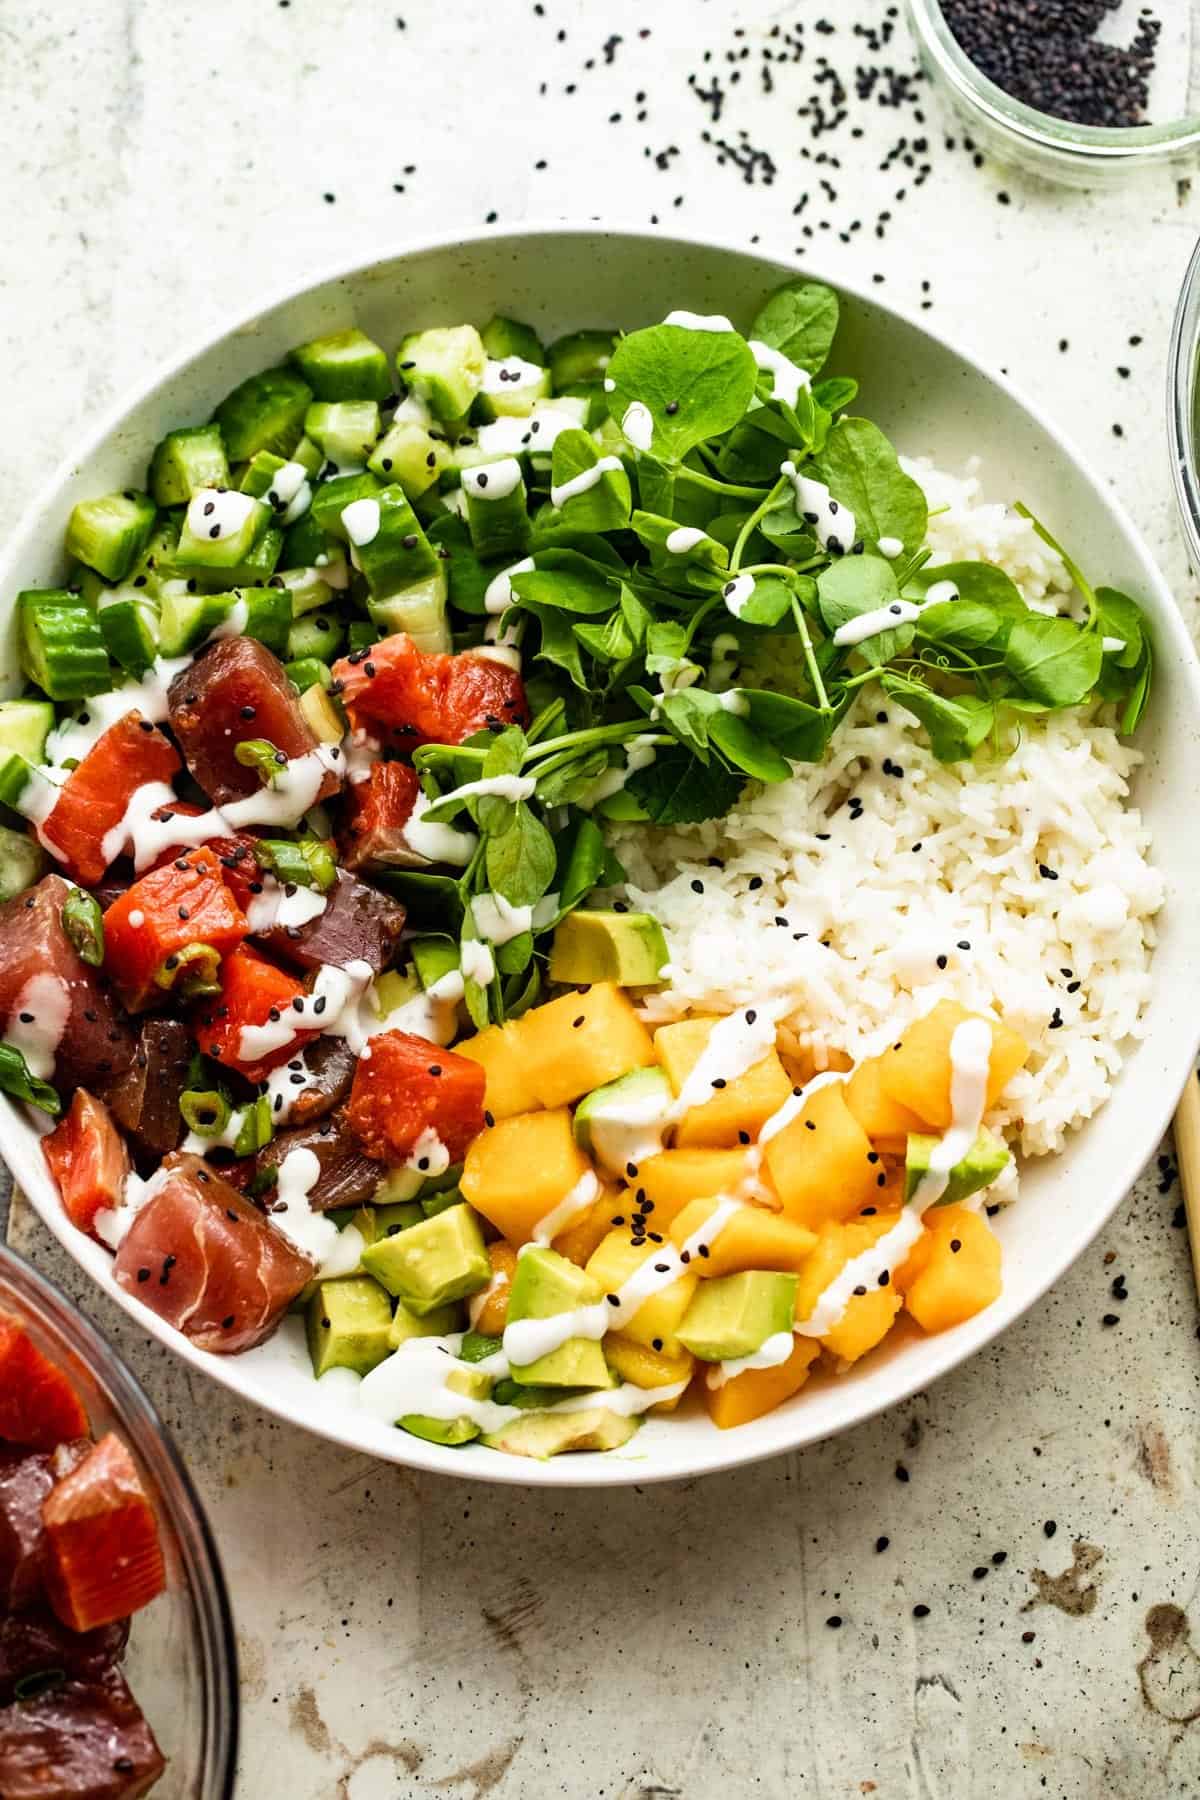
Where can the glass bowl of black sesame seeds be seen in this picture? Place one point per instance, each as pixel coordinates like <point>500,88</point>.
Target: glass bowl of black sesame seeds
<point>1087,92</point>
<point>1183,406</point>
<point>178,1669</point>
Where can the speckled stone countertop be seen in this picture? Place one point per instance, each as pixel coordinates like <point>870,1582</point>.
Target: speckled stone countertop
<point>761,1632</point>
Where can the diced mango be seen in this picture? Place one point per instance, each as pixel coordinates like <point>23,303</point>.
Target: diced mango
<point>801,1060</point>
<point>822,1164</point>
<point>579,1042</point>
<point>737,1111</point>
<point>916,1070</point>
<point>580,1240</point>
<point>750,1238</point>
<point>954,1271</point>
<point>868,1317</point>
<point>879,1115</point>
<point>497,1051</point>
<point>658,1318</point>
<point>670,1181</point>
<point>490,1315</point>
<point>648,1368</point>
<point>521,1169</point>
<point>758,1391</point>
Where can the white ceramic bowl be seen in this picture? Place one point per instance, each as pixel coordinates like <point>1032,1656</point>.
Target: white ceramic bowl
<point>932,399</point>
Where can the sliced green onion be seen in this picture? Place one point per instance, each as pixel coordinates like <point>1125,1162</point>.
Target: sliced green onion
<point>206,1111</point>
<point>306,863</point>
<point>83,923</point>
<point>194,970</point>
<point>261,754</point>
<point>254,1127</point>
<point>15,1079</point>
<point>40,1681</point>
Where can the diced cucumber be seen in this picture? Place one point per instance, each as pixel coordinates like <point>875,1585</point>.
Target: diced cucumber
<point>510,389</point>
<point>157,559</point>
<point>317,634</point>
<point>580,356</point>
<point>411,455</point>
<point>362,633</point>
<point>189,619</point>
<point>24,727</point>
<point>307,589</point>
<point>595,402</point>
<point>308,671</point>
<point>22,862</point>
<point>62,648</point>
<point>191,458</point>
<point>444,366</point>
<point>85,582</point>
<point>128,619</point>
<point>344,430</point>
<point>497,517</point>
<point>258,473</point>
<point>264,412</point>
<point>332,497</point>
<point>23,787</point>
<point>308,456</point>
<point>508,337</point>
<point>388,544</point>
<point>303,542</point>
<point>220,528</point>
<point>346,365</point>
<point>420,610</point>
<point>110,534</point>
<point>432,958</point>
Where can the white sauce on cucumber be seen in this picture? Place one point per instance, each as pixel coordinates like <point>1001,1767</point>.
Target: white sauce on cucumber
<point>637,423</point>
<point>684,538</point>
<point>234,624</point>
<point>219,513</point>
<point>787,377</point>
<point>361,521</point>
<point>290,490</point>
<point>690,321</point>
<point>832,522</point>
<point>498,595</point>
<point>585,480</point>
<point>502,374</point>
<point>495,481</point>
<point>73,738</point>
<point>38,1020</point>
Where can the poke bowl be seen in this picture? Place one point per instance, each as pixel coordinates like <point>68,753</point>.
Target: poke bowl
<point>110,1703</point>
<point>935,915</point>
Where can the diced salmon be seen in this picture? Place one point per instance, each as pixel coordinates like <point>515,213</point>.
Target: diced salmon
<point>376,812</point>
<point>235,691</point>
<point>43,974</point>
<point>413,697</point>
<point>88,1159</point>
<point>181,903</point>
<point>96,794</point>
<point>408,1086</point>
<point>38,1402</point>
<point>253,992</point>
<point>208,1262</point>
<point>101,1557</point>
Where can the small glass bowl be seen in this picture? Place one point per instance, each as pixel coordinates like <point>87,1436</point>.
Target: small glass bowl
<point>1079,155</point>
<point>182,1660</point>
<point>1183,399</point>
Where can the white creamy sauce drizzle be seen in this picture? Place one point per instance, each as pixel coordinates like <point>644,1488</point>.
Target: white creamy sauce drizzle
<point>234,624</point>
<point>939,592</point>
<point>501,374</point>
<point>137,918</point>
<point>585,480</point>
<point>293,790</point>
<point>283,906</point>
<point>361,521</point>
<point>427,1015</point>
<point>290,489</point>
<point>571,1207</point>
<point>734,1045</point>
<point>502,787</point>
<point>345,1258</point>
<point>539,432</point>
<point>832,522</point>
<point>499,922</point>
<point>734,701</point>
<point>437,843</point>
<point>428,1156</point>
<point>726,652</point>
<point>38,1020</point>
<point>690,321</point>
<point>414,1380</point>
<point>684,538</point>
<point>629,1130</point>
<point>506,654</point>
<point>788,377</point>
<point>498,595</point>
<point>290,1210</point>
<point>637,423</point>
<point>640,752</point>
<point>219,513</point>
<point>111,1224</point>
<point>1112,646</point>
<point>880,618</point>
<point>73,738</point>
<point>361,753</point>
<point>738,593</point>
<point>285,1085</point>
<point>770,1354</point>
<point>478,963</point>
<point>890,547</point>
<point>494,481</point>
<point>333,1006</point>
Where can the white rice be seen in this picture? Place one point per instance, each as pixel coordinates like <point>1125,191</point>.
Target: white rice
<point>854,913</point>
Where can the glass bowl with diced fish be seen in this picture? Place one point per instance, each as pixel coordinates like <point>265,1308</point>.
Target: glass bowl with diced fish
<point>593,839</point>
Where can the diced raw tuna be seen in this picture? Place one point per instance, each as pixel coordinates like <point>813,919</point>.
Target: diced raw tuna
<point>411,697</point>
<point>38,1405</point>
<point>88,1159</point>
<point>145,1099</point>
<point>347,1178</point>
<point>96,794</point>
<point>330,1063</point>
<point>236,690</point>
<point>34,1642</point>
<point>74,1021</point>
<point>81,1740</point>
<point>101,1557</point>
<point>27,1478</point>
<point>376,813</point>
<point>408,1086</point>
<point>358,924</point>
<point>215,1268</point>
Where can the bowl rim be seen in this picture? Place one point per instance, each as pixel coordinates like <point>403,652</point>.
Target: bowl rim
<point>139,1418</point>
<point>1183,367</point>
<point>725,1453</point>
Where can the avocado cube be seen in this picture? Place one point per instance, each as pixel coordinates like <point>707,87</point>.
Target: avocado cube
<point>590,946</point>
<point>407,1324</point>
<point>549,1434</point>
<point>734,1315</point>
<point>348,1325</point>
<point>441,1259</point>
<point>537,1399</point>
<point>545,1285</point>
<point>444,366</point>
<point>476,1347</point>
<point>472,1384</point>
<point>110,534</point>
<point>985,1159</point>
<point>345,365</point>
<point>624,1121</point>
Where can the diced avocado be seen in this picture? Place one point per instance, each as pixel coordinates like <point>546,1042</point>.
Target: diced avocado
<point>477,1348</point>
<point>535,1399</point>
<point>734,1315</point>
<point>581,356</point>
<point>348,1325</point>
<point>444,366</point>
<point>624,1121</point>
<point>110,534</point>
<point>25,726</point>
<point>410,454</point>
<point>420,610</point>
<point>62,649</point>
<point>628,948</point>
<point>984,1161</point>
<point>392,990</point>
<point>472,1384</point>
<point>332,498</point>
<point>510,388</point>
<point>408,1324</point>
<point>395,1215</point>
<point>264,412</point>
<point>439,1260</point>
<point>544,1434</point>
<point>22,861</point>
<point>545,1285</point>
<point>346,365</point>
<point>185,460</point>
<point>508,337</point>
<point>344,430</point>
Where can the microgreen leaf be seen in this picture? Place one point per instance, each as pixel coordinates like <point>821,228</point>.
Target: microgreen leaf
<point>605,506</point>
<point>862,471</point>
<point>677,790</point>
<point>581,858</point>
<point>957,725</point>
<point>565,579</point>
<point>1053,659</point>
<point>694,384</point>
<point>800,319</point>
<point>655,531</point>
<point>799,731</point>
<point>861,584</point>
<point>520,862</point>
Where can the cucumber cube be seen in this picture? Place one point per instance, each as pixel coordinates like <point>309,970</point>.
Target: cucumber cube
<point>580,356</point>
<point>411,455</point>
<point>331,499</point>
<point>186,460</point>
<point>128,618</point>
<point>303,542</point>
<point>110,534</point>
<point>420,610</point>
<point>220,528</point>
<point>189,619</point>
<point>508,337</point>
<point>497,515</point>
<point>62,649</point>
<point>24,727</point>
<point>308,672</point>
<point>308,592</point>
<point>344,430</point>
<point>319,635</point>
<point>346,365</point>
<point>387,542</point>
<point>510,388</point>
<point>444,366</point>
<point>22,861</point>
<point>264,412</point>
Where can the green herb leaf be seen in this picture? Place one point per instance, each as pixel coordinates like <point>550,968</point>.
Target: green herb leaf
<point>558,644</point>
<point>83,923</point>
<point>956,726</point>
<point>581,858</point>
<point>603,507</point>
<point>798,731</point>
<point>861,584</point>
<point>611,642</point>
<point>1139,694</point>
<point>747,749</point>
<point>862,471</point>
<point>434,900</point>
<point>567,580</point>
<point>15,1079</point>
<point>705,378</point>
<point>677,790</point>
<point>653,530</point>
<point>800,319</point>
<point>835,392</point>
<point>973,581</point>
<point>518,998</point>
<point>467,576</point>
<point>1053,659</point>
<point>1117,616</point>
<point>520,862</point>
<point>960,624</point>
<point>770,601</point>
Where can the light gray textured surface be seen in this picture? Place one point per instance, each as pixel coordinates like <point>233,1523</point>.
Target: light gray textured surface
<point>405,1636</point>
